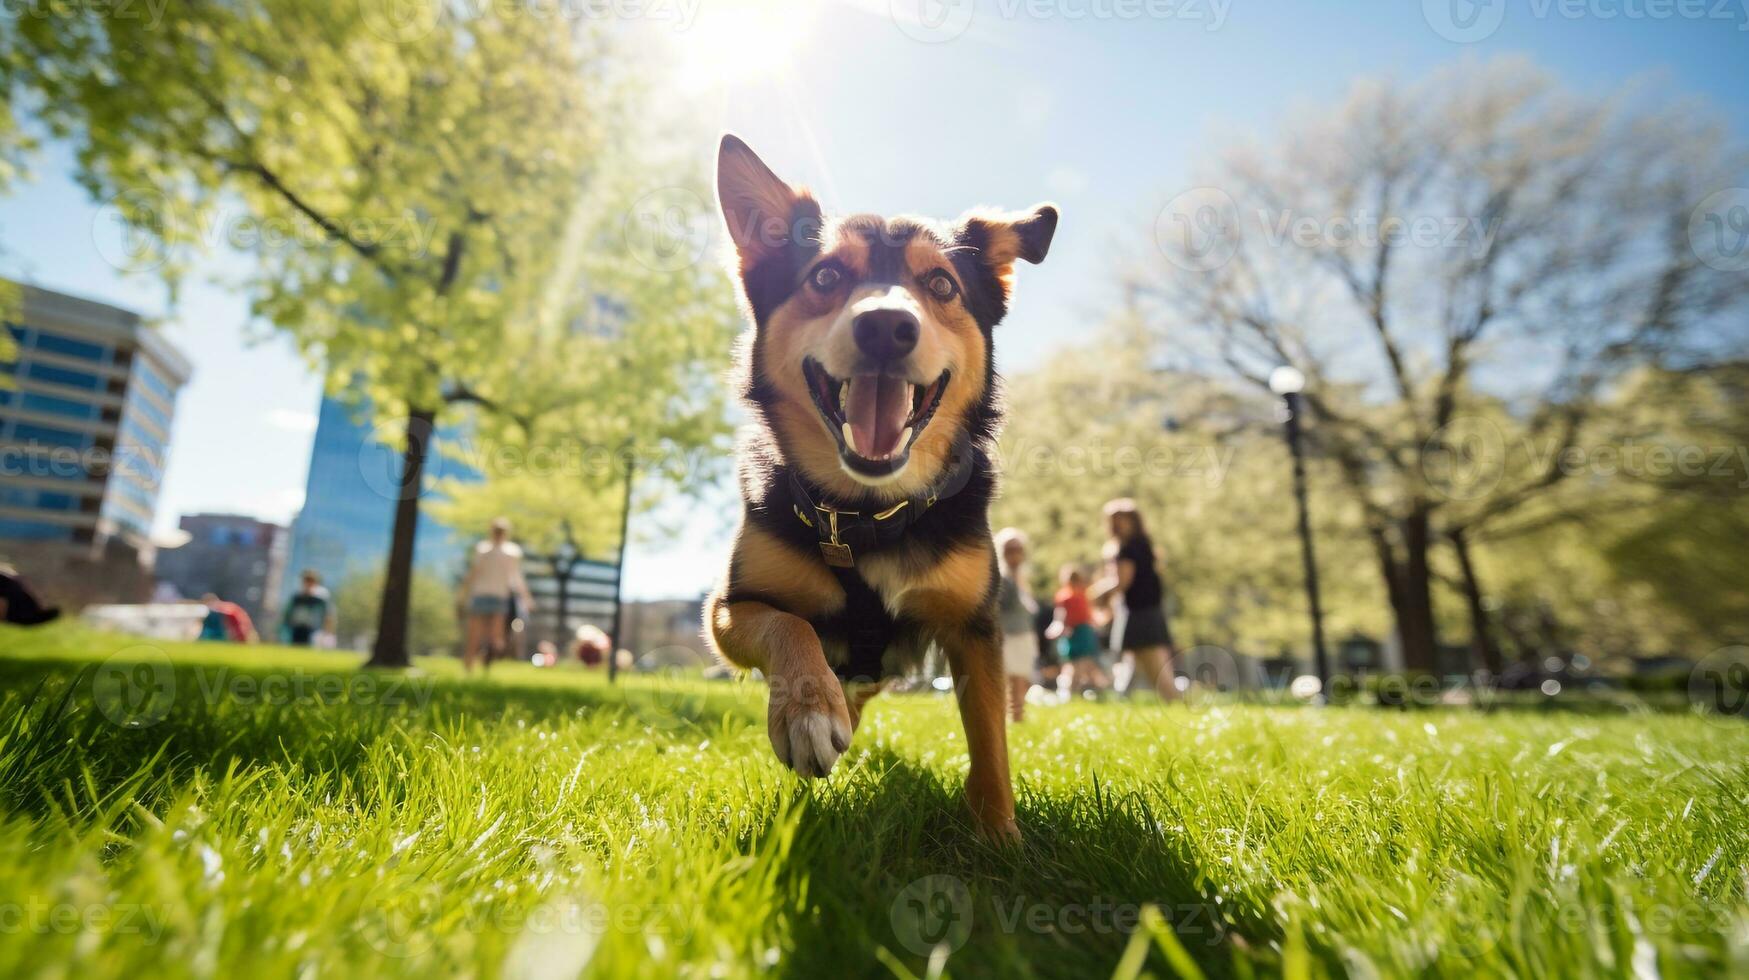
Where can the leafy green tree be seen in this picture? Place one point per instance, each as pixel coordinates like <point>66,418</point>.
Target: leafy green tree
<point>1207,466</point>
<point>433,626</point>
<point>1623,555</point>
<point>632,389</point>
<point>1428,254</point>
<point>15,145</point>
<point>9,301</point>
<point>408,191</point>
<point>1679,556</point>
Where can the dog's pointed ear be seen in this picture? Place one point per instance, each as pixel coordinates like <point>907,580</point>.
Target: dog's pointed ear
<point>764,214</point>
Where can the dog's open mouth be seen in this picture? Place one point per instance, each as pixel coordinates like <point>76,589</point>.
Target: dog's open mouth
<point>876,418</point>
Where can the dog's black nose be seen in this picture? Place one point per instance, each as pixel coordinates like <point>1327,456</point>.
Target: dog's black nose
<point>885,335</point>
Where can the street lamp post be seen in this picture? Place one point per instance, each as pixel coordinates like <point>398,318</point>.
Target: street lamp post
<point>1288,382</point>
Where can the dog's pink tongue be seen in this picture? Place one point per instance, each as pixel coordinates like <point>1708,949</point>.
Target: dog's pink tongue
<point>876,408</point>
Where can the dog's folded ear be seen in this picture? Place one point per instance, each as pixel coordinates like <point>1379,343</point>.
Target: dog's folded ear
<point>1001,237</point>
<point>996,238</point>
<point>1034,232</point>
<point>765,215</point>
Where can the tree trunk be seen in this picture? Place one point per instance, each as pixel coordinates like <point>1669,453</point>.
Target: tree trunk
<point>562,633</point>
<point>1392,576</point>
<point>1483,648</point>
<point>391,642</point>
<point>1524,645</point>
<point>619,569</point>
<point>1416,625</point>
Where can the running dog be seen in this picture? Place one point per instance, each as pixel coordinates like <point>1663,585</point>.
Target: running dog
<point>865,477</point>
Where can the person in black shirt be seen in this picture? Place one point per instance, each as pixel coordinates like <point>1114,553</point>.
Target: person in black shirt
<point>310,610</point>
<point>1143,633</point>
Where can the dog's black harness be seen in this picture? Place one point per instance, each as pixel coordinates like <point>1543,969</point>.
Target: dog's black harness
<point>846,534</point>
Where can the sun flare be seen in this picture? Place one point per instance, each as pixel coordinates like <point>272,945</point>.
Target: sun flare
<point>740,40</point>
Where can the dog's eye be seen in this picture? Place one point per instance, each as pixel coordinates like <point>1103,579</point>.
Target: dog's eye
<point>826,277</point>
<point>941,285</point>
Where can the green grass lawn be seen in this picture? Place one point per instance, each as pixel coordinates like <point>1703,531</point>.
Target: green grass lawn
<point>220,811</point>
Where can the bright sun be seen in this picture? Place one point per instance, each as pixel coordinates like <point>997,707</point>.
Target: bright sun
<point>739,40</point>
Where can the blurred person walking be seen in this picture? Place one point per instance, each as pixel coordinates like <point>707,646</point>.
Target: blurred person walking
<point>310,610</point>
<point>1014,609</point>
<point>494,575</point>
<point>1143,635</point>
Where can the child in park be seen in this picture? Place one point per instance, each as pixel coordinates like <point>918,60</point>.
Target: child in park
<point>1073,630</point>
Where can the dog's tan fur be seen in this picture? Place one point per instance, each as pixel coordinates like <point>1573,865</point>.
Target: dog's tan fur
<point>768,614</point>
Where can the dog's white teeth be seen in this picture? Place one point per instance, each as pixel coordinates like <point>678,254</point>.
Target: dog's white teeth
<point>905,437</point>
<point>849,440</point>
<point>843,398</point>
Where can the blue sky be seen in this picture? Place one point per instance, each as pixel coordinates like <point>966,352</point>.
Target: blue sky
<point>912,105</point>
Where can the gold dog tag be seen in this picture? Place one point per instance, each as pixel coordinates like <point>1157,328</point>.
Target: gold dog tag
<point>837,555</point>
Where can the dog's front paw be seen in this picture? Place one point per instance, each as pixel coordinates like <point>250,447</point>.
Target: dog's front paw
<point>992,807</point>
<point>1002,831</point>
<point>808,722</point>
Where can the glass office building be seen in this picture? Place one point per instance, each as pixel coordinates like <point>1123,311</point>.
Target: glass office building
<point>84,423</point>
<point>349,503</point>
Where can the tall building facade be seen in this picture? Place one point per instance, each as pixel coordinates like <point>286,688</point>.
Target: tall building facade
<point>235,557</point>
<point>349,503</point>
<point>84,434</point>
